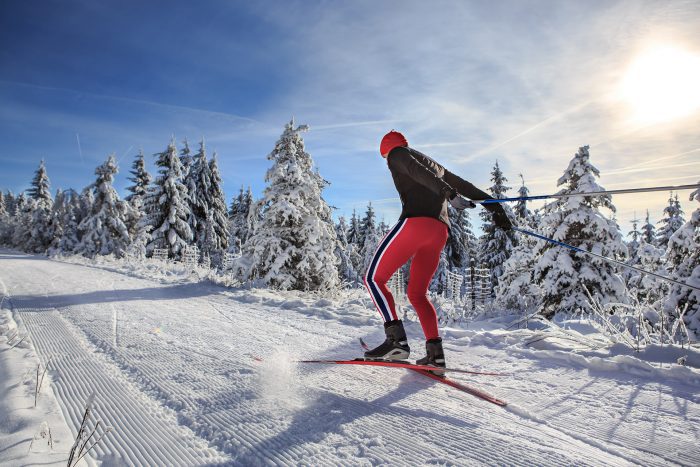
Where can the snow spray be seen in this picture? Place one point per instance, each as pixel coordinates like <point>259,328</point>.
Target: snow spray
<point>279,380</point>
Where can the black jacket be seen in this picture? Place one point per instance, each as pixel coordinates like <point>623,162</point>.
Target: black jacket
<point>424,186</point>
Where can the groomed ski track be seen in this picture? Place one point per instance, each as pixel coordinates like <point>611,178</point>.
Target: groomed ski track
<point>172,370</point>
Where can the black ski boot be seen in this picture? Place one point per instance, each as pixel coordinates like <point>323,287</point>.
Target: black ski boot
<point>395,347</point>
<point>435,356</point>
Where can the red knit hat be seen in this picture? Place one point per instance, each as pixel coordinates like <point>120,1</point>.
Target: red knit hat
<point>391,140</point>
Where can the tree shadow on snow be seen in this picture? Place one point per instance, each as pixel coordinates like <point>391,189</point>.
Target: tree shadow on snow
<point>174,292</point>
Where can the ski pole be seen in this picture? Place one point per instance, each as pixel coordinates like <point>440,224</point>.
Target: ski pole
<point>591,193</point>
<point>566,245</point>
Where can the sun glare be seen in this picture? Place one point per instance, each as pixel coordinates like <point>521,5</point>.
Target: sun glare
<point>662,84</point>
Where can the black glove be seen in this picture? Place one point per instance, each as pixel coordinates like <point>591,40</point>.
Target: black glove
<point>500,218</point>
<point>461,204</point>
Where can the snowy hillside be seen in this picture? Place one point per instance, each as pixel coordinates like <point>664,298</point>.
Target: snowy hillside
<point>187,372</point>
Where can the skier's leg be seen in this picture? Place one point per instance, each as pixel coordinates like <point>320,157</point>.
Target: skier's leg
<point>394,250</point>
<point>423,267</point>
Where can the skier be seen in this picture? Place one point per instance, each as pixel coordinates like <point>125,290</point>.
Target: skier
<point>425,187</point>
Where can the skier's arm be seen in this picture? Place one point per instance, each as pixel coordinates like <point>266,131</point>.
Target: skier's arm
<point>402,161</point>
<point>468,190</point>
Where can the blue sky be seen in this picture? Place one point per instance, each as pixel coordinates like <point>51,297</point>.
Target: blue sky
<point>525,83</point>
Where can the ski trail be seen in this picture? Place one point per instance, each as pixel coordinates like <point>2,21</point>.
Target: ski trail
<point>143,433</point>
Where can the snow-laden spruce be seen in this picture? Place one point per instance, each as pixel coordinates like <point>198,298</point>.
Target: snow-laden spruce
<point>354,245</point>
<point>368,238</point>
<point>167,209</point>
<point>215,242</point>
<point>633,249</point>
<point>671,222</point>
<point>648,230</point>
<point>517,289</point>
<point>462,245</point>
<point>68,215</point>
<point>343,251</point>
<point>4,219</point>
<point>521,211</point>
<point>294,245</point>
<point>238,214</point>
<point>104,230</point>
<point>496,245</point>
<point>140,179</point>
<point>40,233</point>
<point>562,273</point>
<point>647,289</point>
<point>683,256</point>
<point>197,181</point>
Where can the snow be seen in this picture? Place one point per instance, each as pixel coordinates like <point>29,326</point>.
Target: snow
<point>189,372</point>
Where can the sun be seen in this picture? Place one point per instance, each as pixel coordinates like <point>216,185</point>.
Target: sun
<point>662,84</point>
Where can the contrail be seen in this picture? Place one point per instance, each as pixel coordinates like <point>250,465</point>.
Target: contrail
<point>124,154</point>
<point>351,124</point>
<point>544,122</point>
<point>136,101</point>
<point>80,149</point>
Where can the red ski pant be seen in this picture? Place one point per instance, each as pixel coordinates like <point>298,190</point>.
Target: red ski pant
<point>422,240</point>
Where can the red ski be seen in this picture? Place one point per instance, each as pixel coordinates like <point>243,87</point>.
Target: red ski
<point>463,387</point>
<point>399,364</point>
<point>424,370</point>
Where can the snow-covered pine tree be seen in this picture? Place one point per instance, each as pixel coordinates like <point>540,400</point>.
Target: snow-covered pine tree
<point>56,220</point>
<point>636,235</point>
<point>632,248</point>
<point>294,245</point>
<point>346,270</point>
<point>40,235</point>
<point>198,182</point>
<point>40,189</point>
<point>141,179</point>
<point>516,289</point>
<point>648,289</point>
<point>353,234</point>
<point>521,211</point>
<point>354,246</point>
<point>671,222</point>
<point>241,207</point>
<point>368,238</point>
<point>372,239</point>
<point>4,220</point>
<point>462,245</point>
<point>23,222</point>
<point>186,158</point>
<point>368,227</point>
<point>10,203</point>
<point>104,230</point>
<point>217,241</point>
<point>560,272</point>
<point>683,255</point>
<point>495,245</point>
<point>648,230</point>
<point>255,216</point>
<point>70,238</point>
<point>166,206</point>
